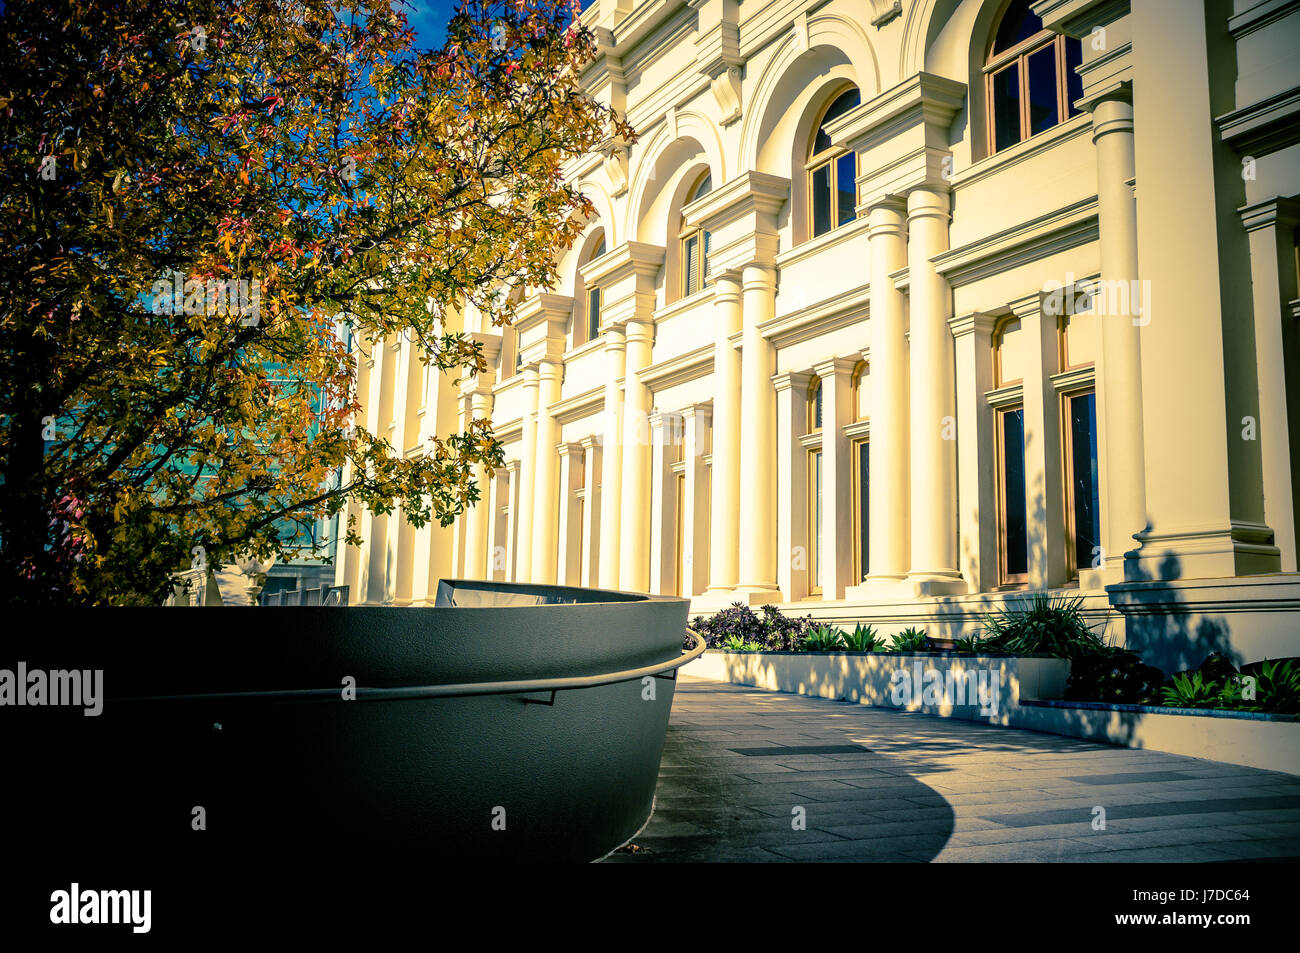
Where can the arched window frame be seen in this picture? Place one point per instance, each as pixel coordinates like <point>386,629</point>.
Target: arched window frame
<point>829,160</point>
<point>694,275</point>
<point>814,422</point>
<point>1067,53</point>
<point>855,389</point>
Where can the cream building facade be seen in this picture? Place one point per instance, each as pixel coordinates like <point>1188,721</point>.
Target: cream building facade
<point>895,311</point>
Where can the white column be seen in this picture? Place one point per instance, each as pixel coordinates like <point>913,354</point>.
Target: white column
<point>757,582</point>
<point>569,570</point>
<point>1122,471</point>
<point>1270,226</point>
<point>1206,520</point>
<point>527,479</point>
<point>512,522</point>
<point>837,478</point>
<point>1044,481</point>
<point>889,490</point>
<point>498,525</point>
<point>634,530</point>
<point>478,515</point>
<point>976,482</point>
<point>546,475</point>
<point>695,520</point>
<point>611,465</point>
<point>724,503</point>
<point>664,435</point>
<point>933,429</point>
<point>591,451</point>
<point>792,542</point>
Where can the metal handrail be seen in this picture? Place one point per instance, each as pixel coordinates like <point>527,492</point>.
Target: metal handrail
<point>462,690</point>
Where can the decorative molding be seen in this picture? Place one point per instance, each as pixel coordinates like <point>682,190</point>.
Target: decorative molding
<point>1048,234</point>
<point>839,311</point>
<point>1265,126</point>
<point>690,366</point>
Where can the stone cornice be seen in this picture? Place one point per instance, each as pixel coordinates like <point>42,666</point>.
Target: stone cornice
<point>629,259</point>
<point>1076,18</point>
<point>741,216</point>
<point>1056,231</point>
<point>541,321</point>
<point>981,321</point>
<point>690,366</point>
<point>838,311</point>
<point>902,135</point>
<point>1270,213</point>
<point>1266,126</point>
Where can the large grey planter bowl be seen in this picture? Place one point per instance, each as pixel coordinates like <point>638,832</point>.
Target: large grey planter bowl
<point>507,722</point>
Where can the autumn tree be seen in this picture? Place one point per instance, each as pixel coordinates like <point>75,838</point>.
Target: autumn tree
<point>203,201</point>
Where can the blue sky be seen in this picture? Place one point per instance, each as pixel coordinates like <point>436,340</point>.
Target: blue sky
<point>429,17</point>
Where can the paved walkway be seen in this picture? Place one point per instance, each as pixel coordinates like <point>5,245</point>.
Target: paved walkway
<point>878,785</point>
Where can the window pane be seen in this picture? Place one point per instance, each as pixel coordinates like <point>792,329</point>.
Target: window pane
<point>846,188</point>
<point>1018,24</point>
<point>1083,445</point>
<point>821,199</point>
<point>864,507</point>
<point>1044,112</point>
<point>817,409</point>
<point>1006,107</point>
<point>690,263</point>
<point>1073,81</point>
<point>704,262</point>
<point>1016,529</point>
<point>593,314</point>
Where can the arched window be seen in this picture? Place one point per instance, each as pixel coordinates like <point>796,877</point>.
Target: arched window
<point>694,244</point>
<point>1030,79</point>
<point>859,369</point>
<point>832,172</point>
<point>593,297</point>
<point>814,404</point>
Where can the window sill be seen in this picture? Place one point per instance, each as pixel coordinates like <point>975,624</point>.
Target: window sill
<point>813,246</point>
<point>1040,142</point>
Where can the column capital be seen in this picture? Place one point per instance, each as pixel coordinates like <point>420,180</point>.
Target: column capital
<point>639,331</point>
<point>591,442</point>
<point>759,277</point>
<point>886,216</point>
<point>1271,213</point>
<point>540,322</point>
<point>835,367</point>
<point>568,448</point>
<point>702,411</point>
<point>796,380</point>
<point>981,322</point>
<point>626,276</point>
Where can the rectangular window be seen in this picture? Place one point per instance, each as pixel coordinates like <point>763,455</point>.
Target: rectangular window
<point>862,508</point>
<point>1011,483</point>
<point>1005,86</point>
<point>846,187</point>
<point>704,261</point>
<point>1043,104</point>
<point>821,199</point>
<point>593,314</point>
<point>815,520</point>
<point>1083,497</point>
<point>691,264</point>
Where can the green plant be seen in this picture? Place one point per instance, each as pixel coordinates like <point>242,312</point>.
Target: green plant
<point>972,644</point>
<point>1114,675</point>
<point>1278,687</point>
<point>1190,690</point>
<point>734,643</point>
<point>824,639</point>
<point>864,638</point>
<point>1044,625</point>
<point>910,639</point>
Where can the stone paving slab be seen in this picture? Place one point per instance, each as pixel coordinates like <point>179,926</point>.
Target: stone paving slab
<point>872,785</point>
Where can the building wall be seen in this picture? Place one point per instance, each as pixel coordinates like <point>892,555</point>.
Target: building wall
<point>674,451</point>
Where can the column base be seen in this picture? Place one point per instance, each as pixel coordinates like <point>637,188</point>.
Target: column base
<point>757,595</point>
<point>944,582</point>
<point>1203,552</point>
<point>880,586</point>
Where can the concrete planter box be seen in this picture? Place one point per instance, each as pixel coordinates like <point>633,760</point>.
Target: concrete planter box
<point>245,714</point>
<point>977,687</point>
<point>1029,691</point>
<point>1253,739</point>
